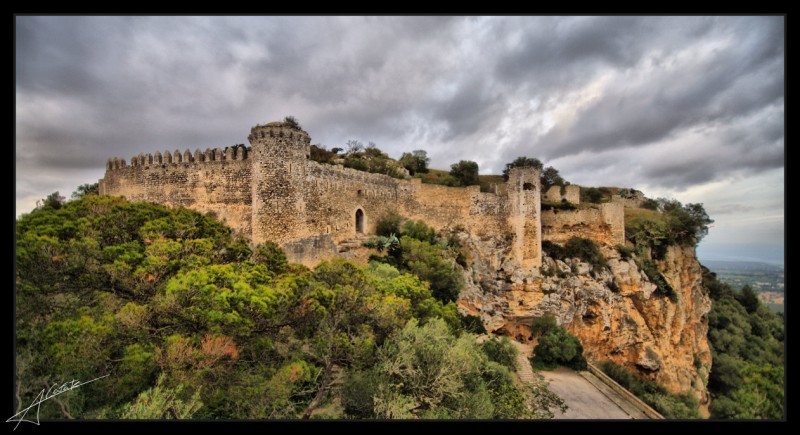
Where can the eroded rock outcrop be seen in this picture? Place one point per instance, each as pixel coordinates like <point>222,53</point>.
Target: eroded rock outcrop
<point>616,312</point>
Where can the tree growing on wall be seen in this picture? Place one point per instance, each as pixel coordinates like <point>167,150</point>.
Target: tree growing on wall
<point>291,121</point>
<point>522,162</point>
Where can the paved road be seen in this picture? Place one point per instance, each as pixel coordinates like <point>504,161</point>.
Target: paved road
<point>583,398</point>
<point>586,396</point>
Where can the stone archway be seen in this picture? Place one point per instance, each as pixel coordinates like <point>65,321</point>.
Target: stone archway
<point>359,221</point>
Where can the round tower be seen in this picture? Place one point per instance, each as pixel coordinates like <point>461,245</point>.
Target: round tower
<point>279,156</point>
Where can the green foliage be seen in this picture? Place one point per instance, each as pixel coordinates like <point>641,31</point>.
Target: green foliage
<point>558,347</point>
<point>563,205</point>
<point>427,372</point>
<point>179,313</point>
<point>427,261</point>
<point>625,252</point>
<point>318,153</point>
<point>584,249</point>
<point>472,324</point>
<point>543,325</point>
<point>550,177</point>
<point>292,122</point>
<point>522,162</point>
<point>595,195</point>
<point>419,230</point>
<point>370,159</point>
<point>676,224</point>
<point>748,298</point>
<point>52,201</point>
<point>272,256</point>
<point>747,349</point>
<point>415,162</point>
<point>389,224</point>
<point>465,173</point>
<point>86,189</point>
<point>654,275</point>
<point>501,351</point>
<point>162,402</point>
<point>678,406</point>
<point>650,204</point>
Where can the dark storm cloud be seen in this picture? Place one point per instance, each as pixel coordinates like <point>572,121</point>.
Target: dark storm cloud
<point>658,101</point>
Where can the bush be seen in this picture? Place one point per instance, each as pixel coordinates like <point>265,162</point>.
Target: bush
<point>357,393</point>
<point>319,154</point>
<point>563,205</point>
<point>594,195</point>
<point>427,262</point>
<point>501,351</point>
<point>389,224</point>
<point>668,404</point>
<point>419,230</point>
<point>553,250</point>
<point>543,325</point>
<point>654,275</point>
<point>272,256</point>
<point>558,347</point>
<point>625,252</point>
<point>472,324</point>
<point>586,250</point>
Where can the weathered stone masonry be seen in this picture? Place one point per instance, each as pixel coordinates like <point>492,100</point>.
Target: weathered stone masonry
<point>272,191</point>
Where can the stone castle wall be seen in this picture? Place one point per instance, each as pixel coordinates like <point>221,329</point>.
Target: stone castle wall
<point>572,193</point>
<point>217,181</point>
<point>603,223</point>
<point>273,191</point>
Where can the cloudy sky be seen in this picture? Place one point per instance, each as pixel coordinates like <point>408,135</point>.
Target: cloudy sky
<point>685,107</point>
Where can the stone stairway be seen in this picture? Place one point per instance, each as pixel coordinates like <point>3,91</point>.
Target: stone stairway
<point>355,242</point>
<point>524,370</point>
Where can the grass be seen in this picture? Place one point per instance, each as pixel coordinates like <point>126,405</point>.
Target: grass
<point>635,216</point>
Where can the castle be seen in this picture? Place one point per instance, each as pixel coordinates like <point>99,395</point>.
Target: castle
<point>273,191</point>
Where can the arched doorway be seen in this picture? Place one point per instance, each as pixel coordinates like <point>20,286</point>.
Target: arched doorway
<point>359,221</point>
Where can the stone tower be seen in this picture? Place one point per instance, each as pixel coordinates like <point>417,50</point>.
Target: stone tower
<point>279,156</point>
<point>524,197</point>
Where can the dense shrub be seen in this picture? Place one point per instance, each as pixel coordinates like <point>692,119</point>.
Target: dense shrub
<point>558,347</point>
<point>501,351</point>
<point>654,275</point>
<point>668,404</point>
<point>389,224</point>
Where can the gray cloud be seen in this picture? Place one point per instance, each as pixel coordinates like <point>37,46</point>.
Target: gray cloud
<point>665,102</point>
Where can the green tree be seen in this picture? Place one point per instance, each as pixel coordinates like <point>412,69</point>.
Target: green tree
<point>416,162</point>
<point>559,347</point>
<point>86,189</point>
<point>748,299</point>
<point>465,172</point>
<point>550,177</point>
<point>272,256</point>
<point>522,162</point>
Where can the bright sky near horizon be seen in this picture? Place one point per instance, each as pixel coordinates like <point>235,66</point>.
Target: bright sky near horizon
<point>690,108</point>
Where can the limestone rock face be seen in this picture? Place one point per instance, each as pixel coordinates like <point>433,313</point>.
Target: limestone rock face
<point>616,314</point>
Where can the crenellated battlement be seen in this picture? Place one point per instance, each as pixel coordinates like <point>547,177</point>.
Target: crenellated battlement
<point>270,189</point>
<point>279,130</point>
<point>231,153</point>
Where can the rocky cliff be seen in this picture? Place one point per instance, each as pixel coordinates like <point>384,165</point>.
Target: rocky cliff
<point>615,312</point>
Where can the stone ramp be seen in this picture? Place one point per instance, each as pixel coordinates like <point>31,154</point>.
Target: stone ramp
<point>586,395</point>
